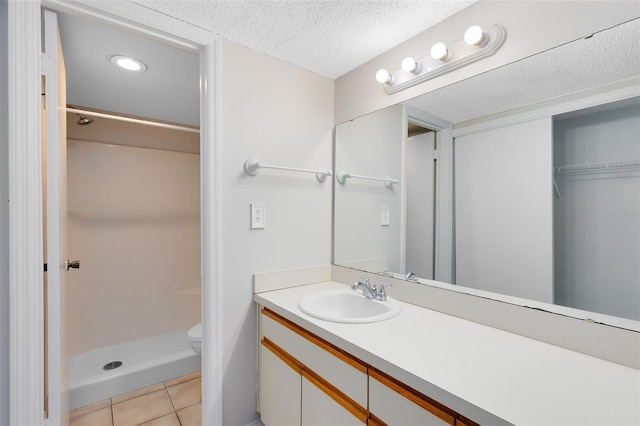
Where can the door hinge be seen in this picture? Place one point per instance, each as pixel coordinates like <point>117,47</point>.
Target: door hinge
<point>48,64</point>
<point>435,154</point>
<point>45,267</point>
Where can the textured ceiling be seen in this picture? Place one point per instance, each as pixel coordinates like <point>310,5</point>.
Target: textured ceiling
<point>607,57</point>
<point>327,37</point>
<point>330,38</point>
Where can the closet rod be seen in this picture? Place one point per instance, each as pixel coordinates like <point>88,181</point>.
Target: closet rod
<point>388,182</point>
<point>133,120</point>
<point>252,166</point>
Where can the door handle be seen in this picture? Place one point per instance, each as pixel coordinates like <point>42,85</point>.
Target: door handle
<point>69,264</point>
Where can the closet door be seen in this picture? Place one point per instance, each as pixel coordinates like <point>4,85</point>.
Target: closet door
<point>504,210</point>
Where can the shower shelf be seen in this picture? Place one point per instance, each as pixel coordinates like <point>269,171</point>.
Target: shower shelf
<point>613,166</point>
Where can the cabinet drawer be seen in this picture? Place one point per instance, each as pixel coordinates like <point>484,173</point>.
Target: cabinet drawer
<point>393,403</point>
<point>319,409</point>
<point>336,367</point>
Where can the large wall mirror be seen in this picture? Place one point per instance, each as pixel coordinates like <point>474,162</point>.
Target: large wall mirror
<point>543,208</point>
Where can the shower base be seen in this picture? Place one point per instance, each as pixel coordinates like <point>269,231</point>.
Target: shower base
<point>97,375</point>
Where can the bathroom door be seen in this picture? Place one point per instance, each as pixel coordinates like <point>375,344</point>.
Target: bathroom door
<point>55,206</point>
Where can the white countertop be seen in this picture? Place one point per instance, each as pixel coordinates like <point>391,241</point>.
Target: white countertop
<point>479,371</point>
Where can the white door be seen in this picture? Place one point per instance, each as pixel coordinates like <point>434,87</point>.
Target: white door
<point>57,399</point>
<point>504,210</point>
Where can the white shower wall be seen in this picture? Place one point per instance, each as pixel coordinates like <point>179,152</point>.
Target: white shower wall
<point>134,224</point>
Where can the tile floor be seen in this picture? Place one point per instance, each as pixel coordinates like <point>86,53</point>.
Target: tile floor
<point>176,402</point>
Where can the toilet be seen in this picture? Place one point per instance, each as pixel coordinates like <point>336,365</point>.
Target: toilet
<point>195,337</point>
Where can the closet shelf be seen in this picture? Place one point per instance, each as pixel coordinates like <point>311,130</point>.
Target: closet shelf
<point>611,166</point>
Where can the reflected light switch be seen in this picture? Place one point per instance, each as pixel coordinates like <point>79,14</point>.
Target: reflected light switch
<point>384,216</point>
<point>257,215</point>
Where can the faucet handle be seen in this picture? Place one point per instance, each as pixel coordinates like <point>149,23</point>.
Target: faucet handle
<point>381,293</point>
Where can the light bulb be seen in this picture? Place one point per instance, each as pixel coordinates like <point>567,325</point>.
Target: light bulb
<point>411,65</point>
<point>439,51</point>
<point>474,36</point>
<point>384,77</point>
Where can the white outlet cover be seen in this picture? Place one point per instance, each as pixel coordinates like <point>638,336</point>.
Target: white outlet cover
<point>258,216</point>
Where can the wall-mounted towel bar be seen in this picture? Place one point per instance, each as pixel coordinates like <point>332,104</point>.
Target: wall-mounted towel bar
<point>253,166</point>
<point>388,182</point>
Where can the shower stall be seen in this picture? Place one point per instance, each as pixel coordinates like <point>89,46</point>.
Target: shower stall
<point>134,220</point>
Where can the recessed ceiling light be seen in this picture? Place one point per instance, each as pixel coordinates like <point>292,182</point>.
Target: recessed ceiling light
<point>128,63</point>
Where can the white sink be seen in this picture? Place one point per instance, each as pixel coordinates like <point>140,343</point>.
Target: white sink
<point>348,306</point>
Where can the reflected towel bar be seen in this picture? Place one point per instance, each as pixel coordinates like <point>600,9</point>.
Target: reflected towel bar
<point>388,182</point>
<point>253,166</point>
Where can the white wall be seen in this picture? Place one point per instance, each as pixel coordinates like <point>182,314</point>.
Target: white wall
<point>597,220</point>
<point>282,115</point>
<point>532,27</point>
<point>4,221</point>
<point>504,211</point>
<point>134,224</point>
<point>370,146</point>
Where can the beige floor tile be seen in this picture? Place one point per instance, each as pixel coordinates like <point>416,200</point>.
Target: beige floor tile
<point>126,396</point>
<point>168,420</point>
<point>181,379</point>
<point>89,408</point>
<point>186,393</point>
<point>101,417</point>
<point>142,409</point>
<point>191,416</point>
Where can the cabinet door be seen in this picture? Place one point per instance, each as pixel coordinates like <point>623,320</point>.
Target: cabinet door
<point>319,409</point>
<point>393,405</point>
<point>279,390</point>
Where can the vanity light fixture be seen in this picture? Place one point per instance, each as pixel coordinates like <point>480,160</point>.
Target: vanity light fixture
<point>439,51</point>
<point>384,77</point>
<point>128,63</point>
<point>476,44</point>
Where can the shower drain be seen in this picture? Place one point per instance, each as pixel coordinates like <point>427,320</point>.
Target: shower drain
<point>111,365</point>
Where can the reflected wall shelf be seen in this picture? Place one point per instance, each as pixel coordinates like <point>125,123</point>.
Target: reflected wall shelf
<point>613,166</point>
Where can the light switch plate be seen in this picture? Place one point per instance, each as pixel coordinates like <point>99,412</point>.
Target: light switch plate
<point>258,211</point>
<point>384,216</point>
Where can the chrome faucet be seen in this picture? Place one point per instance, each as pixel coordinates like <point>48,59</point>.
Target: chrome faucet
<point>367,289</point>
<point>371,291</point>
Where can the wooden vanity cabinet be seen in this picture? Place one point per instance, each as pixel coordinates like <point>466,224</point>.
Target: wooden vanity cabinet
<point>312,383</point>
<point>304,380</point>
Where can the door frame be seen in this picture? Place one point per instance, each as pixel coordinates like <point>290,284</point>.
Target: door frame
<point>25,243</point>
<point>444,233</point>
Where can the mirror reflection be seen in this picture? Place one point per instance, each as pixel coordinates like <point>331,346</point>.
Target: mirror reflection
<point>545,201</point>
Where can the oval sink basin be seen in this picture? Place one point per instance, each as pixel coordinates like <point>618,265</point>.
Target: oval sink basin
<point>347,306</point>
